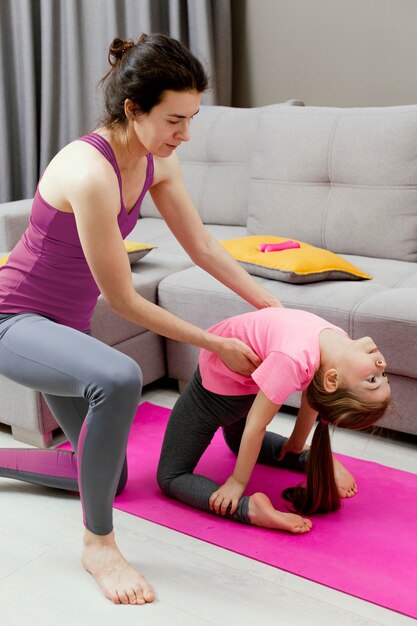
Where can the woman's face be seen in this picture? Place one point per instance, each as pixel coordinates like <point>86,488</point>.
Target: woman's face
<point>167,125</point>
<point>363,370</point>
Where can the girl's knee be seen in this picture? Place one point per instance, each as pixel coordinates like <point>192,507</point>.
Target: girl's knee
<point>163,479</point>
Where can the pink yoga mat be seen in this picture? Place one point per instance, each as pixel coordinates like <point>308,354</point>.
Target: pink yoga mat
<point>368,549</point>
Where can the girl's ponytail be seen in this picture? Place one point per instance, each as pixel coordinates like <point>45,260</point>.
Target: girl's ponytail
<point>341,408</point>
<point>320,494</point>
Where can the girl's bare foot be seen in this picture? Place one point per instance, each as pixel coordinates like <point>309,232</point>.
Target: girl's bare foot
<point>116,578</point>
<point>262,513</point>
<point>344,480</point>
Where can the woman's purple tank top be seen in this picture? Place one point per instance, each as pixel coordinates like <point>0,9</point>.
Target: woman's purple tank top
<point>47,272</point>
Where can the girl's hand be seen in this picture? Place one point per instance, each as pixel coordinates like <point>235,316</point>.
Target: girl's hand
<point>227,495</point>
<point>238,356</point>
<point>290,446</point>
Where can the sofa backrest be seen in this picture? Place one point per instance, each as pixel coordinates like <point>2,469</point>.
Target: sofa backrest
<point>342,179</point>
<point>14,219</point>
<point>215,162</point>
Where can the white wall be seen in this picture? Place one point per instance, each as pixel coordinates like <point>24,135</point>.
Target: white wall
<point>325,52</point>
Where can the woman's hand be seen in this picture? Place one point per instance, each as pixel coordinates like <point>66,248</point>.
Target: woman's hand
<point>272,300</point>
<point>238,356</point>
<point>227,495</point>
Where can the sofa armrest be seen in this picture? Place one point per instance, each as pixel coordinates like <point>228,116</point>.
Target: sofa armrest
<point>14,219</point>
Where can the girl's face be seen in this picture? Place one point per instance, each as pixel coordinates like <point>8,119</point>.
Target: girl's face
<point>362,370</point>
<point>167,125</point>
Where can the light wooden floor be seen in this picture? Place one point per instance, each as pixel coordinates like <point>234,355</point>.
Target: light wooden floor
<point>197,584</point>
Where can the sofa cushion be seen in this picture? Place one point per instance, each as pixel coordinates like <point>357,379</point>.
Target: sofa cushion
<point>341,179</point>
<point>135,252</point>
<point>389,317</point>
<point>302,264</point>
<point>215,163</point>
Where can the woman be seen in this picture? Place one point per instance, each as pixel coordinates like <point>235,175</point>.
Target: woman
<point>87,201</point>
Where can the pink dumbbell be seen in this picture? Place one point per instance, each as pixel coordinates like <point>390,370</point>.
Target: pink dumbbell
<point>276,247</point>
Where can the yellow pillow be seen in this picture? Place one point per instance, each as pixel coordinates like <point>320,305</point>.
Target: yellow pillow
<point>135,251</point>
<point>306,264</point>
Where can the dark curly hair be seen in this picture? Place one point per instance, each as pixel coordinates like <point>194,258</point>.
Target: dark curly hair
<point>142,71</point>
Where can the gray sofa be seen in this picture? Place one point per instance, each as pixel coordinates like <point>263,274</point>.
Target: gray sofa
<point>340,179</point>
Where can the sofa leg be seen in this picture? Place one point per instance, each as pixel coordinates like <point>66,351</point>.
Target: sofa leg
<point>31,438</point>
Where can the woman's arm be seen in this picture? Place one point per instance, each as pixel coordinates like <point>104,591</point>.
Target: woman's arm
<point>260,415</point>
<point>95,201</point>
<point>179,213</point>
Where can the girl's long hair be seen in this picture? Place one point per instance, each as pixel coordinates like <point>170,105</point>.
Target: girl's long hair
<point>341,408</point>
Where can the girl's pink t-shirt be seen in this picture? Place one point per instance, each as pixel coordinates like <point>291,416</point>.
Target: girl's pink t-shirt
<point>287,342</point>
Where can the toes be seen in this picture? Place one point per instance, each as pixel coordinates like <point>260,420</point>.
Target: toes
<point>133,596</point>
<point>348,492</point>
<point>138,592</point>
<point>303,525</point>
<point>114,598</point>
<point>302,529</point>
<point>112,595</point>
<point>123,598</point>
<point>149,595</point>
<point>144,593</point>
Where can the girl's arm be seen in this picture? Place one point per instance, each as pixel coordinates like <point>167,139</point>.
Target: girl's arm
<point>260,415</point>
<point>306,418</point>
<point>177,209</point>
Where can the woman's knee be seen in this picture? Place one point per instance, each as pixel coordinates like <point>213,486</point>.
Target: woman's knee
<point>130,378</point>
<point>122,383</point>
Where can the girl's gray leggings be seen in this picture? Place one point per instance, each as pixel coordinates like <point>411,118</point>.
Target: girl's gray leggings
<point>195,418</point>
<point>93,391</point>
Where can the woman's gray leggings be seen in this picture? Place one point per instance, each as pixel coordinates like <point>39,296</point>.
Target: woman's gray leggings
<point>195,418</point>
<point>93,391</point>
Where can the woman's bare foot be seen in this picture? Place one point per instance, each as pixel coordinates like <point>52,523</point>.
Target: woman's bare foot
<point>262,513</point>
<point>116,578</point>
<point>344,480</point>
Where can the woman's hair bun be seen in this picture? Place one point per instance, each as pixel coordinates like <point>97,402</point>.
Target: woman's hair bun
<point>117,49</point>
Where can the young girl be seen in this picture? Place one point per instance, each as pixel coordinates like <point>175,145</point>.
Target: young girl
<point>341,379</point>
<point>87,202</point>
